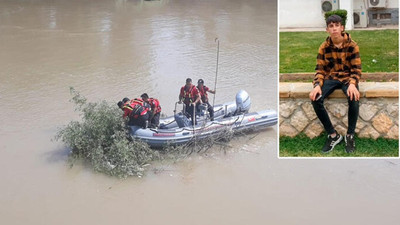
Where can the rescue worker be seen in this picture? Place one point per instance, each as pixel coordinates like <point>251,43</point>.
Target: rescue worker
<point>155,110</point>
<point>142,103</point>
<point>190,96</point>
<point>204,97</point>
<point>125,106</point>
<point>137,113</point>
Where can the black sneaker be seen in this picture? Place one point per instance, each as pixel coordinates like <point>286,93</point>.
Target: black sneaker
<point>331,143</point>
<point>350,143</point>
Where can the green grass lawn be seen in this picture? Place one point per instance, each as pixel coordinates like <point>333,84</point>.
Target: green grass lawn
<point>302,146</point>
<point>298,50</point>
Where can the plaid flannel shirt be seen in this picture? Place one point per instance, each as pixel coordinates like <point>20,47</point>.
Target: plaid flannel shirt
<point>343,64</point>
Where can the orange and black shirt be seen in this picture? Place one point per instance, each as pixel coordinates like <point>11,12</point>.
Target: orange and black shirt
<point>342,64</point>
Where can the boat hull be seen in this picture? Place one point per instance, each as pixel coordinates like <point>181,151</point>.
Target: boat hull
<point>173,135</point>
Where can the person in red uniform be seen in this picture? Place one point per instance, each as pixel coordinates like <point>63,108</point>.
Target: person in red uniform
<point>125,107</point>
<point>190,96</point>
<point>204,97</point>
<point>137,113</point>
<point>155,110</point>
<point>142,103</point>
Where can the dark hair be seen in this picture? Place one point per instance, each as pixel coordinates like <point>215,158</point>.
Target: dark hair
<point>144,95</point>
<point>120,104</point>
<point>188,80</point>
<point>333,19</point>
<point>124,100</point>
<point>201,81</point>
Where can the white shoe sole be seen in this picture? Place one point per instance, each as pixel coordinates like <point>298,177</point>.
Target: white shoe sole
<point>345,140</point>
<point>335,143</point>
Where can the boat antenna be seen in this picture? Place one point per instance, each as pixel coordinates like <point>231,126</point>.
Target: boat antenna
<point>216,71</point>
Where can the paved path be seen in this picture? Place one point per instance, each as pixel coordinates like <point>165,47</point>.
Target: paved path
<point>383,27</point>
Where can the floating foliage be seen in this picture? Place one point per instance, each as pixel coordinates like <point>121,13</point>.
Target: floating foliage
<point>102,139</point>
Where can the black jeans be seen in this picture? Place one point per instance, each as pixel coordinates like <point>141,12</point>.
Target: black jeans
<point>154,120</point>
<point>327,89</point>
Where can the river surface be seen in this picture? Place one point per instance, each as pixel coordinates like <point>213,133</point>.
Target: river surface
<point>122,48</point>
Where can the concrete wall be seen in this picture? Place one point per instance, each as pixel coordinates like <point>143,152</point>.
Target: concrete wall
<point>360,4</point>
<point>348,5</point>
<point>295,13</point>
<point>393,4</point>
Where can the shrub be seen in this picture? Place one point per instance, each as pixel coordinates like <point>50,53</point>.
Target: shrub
<point>340,12</point>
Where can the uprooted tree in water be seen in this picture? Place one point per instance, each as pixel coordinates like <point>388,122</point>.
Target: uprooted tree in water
<point>102,139</point>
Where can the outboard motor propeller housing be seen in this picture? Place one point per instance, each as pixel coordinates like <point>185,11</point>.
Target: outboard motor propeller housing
<point>243,102</point>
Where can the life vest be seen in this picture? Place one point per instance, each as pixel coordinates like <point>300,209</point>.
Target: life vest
<point>141,103</point>
<point>187,94</point>
<point>203,93</point>
<point>155,105</point>
<point>127,106</point>
<point>127,110</point>
<point>138,108</point>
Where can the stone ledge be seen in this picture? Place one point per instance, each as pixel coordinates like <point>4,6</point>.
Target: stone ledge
<point>367,89</point>
<point>378,117</point>
<point>379,77</point>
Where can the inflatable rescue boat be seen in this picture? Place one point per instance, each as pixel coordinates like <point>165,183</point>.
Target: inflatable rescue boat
<point>228,117</point>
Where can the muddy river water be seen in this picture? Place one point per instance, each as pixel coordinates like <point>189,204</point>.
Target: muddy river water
<point>109,49</point>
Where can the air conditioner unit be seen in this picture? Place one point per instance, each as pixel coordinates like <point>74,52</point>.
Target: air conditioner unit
<point>360,18</point>
<point>377,3</point>
<point>329,5</point>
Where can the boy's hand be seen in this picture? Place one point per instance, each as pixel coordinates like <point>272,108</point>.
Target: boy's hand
<point>315,93</point>
<point>353,92</point>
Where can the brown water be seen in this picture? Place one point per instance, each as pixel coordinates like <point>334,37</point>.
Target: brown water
<point>112,49</point>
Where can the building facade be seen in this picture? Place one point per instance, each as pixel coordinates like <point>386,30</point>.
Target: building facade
<point>360,13</point>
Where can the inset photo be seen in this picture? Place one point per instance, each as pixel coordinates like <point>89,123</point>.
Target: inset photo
<point>338,78</point>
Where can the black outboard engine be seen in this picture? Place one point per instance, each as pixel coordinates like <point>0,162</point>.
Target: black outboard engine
<point>243,102</point>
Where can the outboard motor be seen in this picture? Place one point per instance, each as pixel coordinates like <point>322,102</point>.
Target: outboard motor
<point>243,102</point>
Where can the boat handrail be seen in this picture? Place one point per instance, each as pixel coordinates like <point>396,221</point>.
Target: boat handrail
<point>176,103</point>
